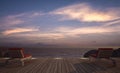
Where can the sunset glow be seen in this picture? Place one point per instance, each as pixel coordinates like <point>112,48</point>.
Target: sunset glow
<point>60,22</point>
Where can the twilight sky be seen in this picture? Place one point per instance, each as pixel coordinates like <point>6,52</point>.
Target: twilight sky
<point>73,23</point>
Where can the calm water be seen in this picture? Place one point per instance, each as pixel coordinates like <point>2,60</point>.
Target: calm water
<point>59,52</point>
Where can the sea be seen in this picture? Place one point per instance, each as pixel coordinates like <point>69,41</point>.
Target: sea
<point>57,52</point>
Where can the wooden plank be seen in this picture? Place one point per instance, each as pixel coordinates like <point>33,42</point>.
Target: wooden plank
<point>60,65</point>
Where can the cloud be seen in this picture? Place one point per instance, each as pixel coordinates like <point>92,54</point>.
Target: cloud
<point>32,33</point>
<point>36,14</point>
<point>62,35</point>
<point>52,35</point>
<point>26,15</point>
<point>70,31</point>
<point>18,19</point>
<point>85,13</point>
<point>18,30</point>
<point>11,22</point>
<point>60,32</point>
<point>47,35</point>
<point>114,22</point>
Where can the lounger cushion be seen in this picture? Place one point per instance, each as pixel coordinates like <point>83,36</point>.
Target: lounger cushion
<point>27,55</point>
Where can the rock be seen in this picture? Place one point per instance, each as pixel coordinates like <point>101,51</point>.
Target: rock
<point>116,53</point>
<point>90,52</point>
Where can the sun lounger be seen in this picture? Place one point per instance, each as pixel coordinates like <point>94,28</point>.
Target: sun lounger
<point>18,54</point>
<point>103,53</point>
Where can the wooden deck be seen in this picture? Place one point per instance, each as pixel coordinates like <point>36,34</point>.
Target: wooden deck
<point>61,65</point>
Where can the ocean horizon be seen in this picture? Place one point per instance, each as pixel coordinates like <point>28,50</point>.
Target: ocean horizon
<point>57,52</point>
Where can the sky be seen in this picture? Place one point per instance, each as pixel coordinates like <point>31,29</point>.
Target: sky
<point>73,23</point>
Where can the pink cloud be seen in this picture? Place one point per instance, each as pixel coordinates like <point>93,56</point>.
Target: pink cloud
<point>85,13</point>
<point>18,30</point>
<point>17,19</point>
<point>73,32</point>
<point>10,22</point>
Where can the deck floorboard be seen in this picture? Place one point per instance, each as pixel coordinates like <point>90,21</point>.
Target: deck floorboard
<point>62,65</point>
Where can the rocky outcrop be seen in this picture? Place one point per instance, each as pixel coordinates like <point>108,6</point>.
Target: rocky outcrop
<point>90,52</point>
<point>116,53</point>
